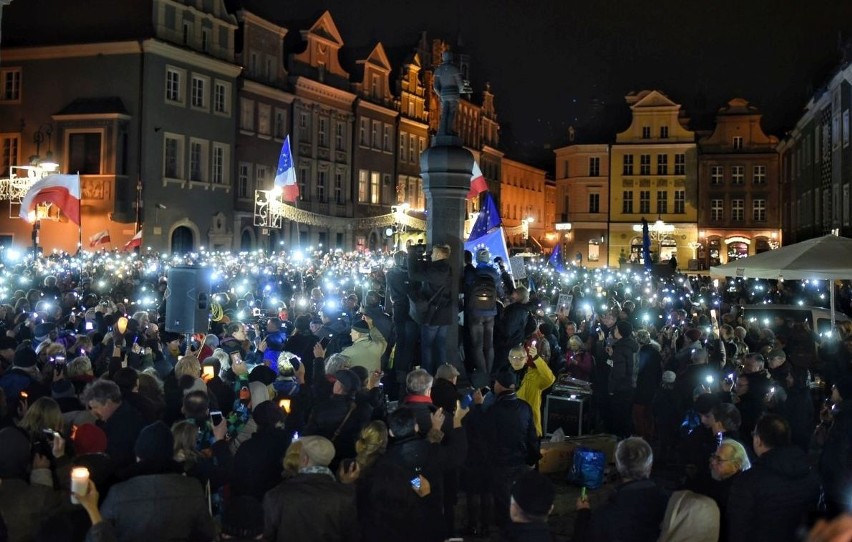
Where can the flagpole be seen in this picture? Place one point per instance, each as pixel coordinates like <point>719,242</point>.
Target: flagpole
<point>80,225</point>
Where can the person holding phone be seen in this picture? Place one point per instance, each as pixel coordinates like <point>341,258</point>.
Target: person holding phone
<point>534,375</point>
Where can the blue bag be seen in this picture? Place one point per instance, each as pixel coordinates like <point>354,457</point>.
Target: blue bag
<point>588,468</point>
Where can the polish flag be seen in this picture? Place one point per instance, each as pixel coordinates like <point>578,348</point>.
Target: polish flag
<point>60,190</point>
<point>285,175</point>
<point>478,184</point>
<point>100,238</point>
<point>135,242</point>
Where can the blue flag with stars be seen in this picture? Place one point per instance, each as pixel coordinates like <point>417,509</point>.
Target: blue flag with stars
<point>556,258</point>
<point>488,219</point>
<point>285,175</point>
<point>494,242</point>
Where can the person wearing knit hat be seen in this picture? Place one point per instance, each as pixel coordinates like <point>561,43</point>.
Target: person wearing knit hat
<point>23,376</point>
<point>347,383</point>
<point>155,443</point>
<point>88,438</point>
<point>368,345</point>
<point>532,501</point>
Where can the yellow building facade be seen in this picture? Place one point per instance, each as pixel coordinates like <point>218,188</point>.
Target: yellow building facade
<point>653,175</point>
<point>522,201</point>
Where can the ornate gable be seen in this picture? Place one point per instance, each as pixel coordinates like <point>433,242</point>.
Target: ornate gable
<point>324,44</point>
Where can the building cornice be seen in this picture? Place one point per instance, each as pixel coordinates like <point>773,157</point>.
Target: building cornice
<point>311,89</point>
<point>90,117</point>
<point>250,18</point>
<point>179,54</point>
<point>268,92</point>
<point>366,104</point>
<point>50,52</point>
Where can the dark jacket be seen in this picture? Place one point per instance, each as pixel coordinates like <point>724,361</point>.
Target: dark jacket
<point>621,375</point>
<point>632,514</point>
<point>509,431</point>
<point>771,500</point>
<point>158,507</point>
<point>328,416</point>
<point>649,375</point>
<point>122,429</point>
<point>470,276</point>
<point>835,461</point>
<point>397,288</point>
<point>257,465</point>
<point>434,275</point>
<point>302,344</point>
<point>528,532</point>
<point>310,507</point>
<point>512,325</point>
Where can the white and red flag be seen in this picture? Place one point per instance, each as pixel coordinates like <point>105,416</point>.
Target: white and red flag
<point>60,190</point>
<point>135,242</point>
<point>100,238</point>
<point>478,184</point>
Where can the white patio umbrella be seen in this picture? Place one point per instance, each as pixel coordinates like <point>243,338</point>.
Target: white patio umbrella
<point>823,258</point>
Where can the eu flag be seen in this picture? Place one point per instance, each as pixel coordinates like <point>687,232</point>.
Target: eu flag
<point>488,219</point>
<point>285,175</point>
<point>494,242</point>
<point>556,258</point>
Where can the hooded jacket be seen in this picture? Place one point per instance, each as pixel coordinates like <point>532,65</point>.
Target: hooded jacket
<point>623,360</point>
<point>770,501</point>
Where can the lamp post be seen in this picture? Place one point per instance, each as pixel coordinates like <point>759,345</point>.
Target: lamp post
<point>33,217</point>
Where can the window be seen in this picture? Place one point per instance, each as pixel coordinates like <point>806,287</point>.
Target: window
<point>11,84</point>
<point>594,203</point>
<point>338,187</point>
<point>386,139</point>
<point>662,164</point>
<point>738,143</point>
<point>322,132</point>
<point>11,148</point>
<point>187,32</point>
<point>260,176</point>
<point>737,210</point>
<point>664,132</point>
<point>737,174</point>
<point>644,164</point>
<point>846,128</point>
<point>174,91</point>
<point>626,165</point>
<point>220,163</point>
<point>243,180</point>
<point>680,202</point>
<point>197,160</point>
<point>662,202</point>
<point>280,123</point>
<point>172,157</point>
<point>375,186</point>
<point>594,251</point>
<point>362,132</point>
<point>264,119</point>
<point>84,153</point>
<point>374,139</point>
<point>205,40</point>
<point>646,132</point>
<point>680,164</point>
<point>627,202</point>
<point>321,182</point>
<point>717,175</point>
<point>403,147</point>
<point>644,202</point>
<point>247,114</point>
<point>339,136</point>
<point>717,210</point>
<point>303,121</point>
<point>199,92</point>
<point>759,173</point>
<point>304,174</point>
<point>412,149</point>
<point>222,98</point>
<point>363,185</point>
<point>758,210</point>
<point>594,166</point>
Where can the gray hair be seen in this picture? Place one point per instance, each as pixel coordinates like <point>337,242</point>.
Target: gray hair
<point>101,391</point>
<point>740,457</point>
<point>643,337</point>
<point>634,459</point>
<point>523,294</point>
<point>418,381</point>
<point>447,372</point>
<point>336,362</point>
<point>699,355</point>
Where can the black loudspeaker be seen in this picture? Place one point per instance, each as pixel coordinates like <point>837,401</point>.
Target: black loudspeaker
<point>188,300</point>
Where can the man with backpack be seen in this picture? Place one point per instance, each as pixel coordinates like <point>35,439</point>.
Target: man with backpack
<point>482,289</point>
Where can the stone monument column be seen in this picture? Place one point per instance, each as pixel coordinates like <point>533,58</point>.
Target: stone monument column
<point>445,169</point>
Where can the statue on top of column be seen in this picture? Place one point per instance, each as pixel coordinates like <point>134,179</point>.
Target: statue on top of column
<point>448,84</point>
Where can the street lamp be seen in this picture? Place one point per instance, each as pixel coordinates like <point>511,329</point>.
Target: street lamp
<point>526,225</point>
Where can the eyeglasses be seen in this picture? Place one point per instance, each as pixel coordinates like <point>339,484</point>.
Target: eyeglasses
<point>517,357</point>
<point>718,459</point>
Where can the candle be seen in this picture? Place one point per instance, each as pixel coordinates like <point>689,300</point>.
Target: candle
<point>285,405</point>
<point>79,482</point>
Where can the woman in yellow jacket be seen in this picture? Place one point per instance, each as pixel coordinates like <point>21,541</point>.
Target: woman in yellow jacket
<point>535,377</point>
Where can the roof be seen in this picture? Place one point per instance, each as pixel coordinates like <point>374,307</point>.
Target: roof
<point>95,106</point>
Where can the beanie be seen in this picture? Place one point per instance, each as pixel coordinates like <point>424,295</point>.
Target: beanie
<point>267,414</point>
<point>89,439</point>
<point>625,329</point>
<point>534,493</point>
<point>483,256</point>
<point>212,341</point>
<point>25,356</point>
<point>507,378</point>
<point>62,389</point>
<point>349,380</point>
<point>155,443</point>
<point>361,326</point>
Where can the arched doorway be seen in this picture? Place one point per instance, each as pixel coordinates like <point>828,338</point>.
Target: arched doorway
<point>668,248</point>
<point>714,247</point>
<point>246,242</point>
<point>182,242</point>
<point>737,250</point>
<point>374,241</point>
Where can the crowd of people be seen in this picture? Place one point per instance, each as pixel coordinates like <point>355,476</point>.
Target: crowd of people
<point>323,401</point>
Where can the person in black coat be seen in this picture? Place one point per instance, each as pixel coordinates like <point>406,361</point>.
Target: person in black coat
<point>511,442</point>
<point>636,509</point>
<point>834,467</point>
<point>120,421</point>
<point>512,327</point>
<point>798,407</point>
<point>301,343</point>
<point>648,379</point>
<point>771,501</point>
<point>621,386</point>
<point>257,465</point>
<point>434,276</point>
<point>398,287</point>
<point>532,501</point>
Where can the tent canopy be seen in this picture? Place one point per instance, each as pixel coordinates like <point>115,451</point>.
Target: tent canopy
<point>823,258</point>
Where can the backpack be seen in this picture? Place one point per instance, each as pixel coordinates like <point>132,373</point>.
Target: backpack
<point>483,293</point>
